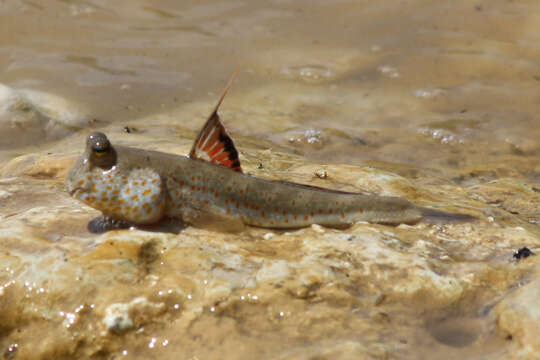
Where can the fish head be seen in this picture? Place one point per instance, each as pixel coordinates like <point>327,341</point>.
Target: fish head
<point>128,193</point>
<point>92,178</point>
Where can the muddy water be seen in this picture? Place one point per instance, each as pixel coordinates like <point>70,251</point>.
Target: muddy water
<point>434,101</point>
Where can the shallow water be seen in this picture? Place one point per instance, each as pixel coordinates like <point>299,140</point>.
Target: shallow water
<point>433,101</point>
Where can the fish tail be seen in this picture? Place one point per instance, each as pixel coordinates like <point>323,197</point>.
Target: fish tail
<point>433,216</point>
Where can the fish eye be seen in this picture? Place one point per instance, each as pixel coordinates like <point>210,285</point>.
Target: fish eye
<point>101,150</point>
<point>98,142</point>
<point>102,153</point>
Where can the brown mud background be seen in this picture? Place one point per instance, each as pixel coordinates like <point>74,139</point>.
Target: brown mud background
<point>433,101</point>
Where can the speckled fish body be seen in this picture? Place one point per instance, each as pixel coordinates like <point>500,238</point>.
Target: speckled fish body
<point>143,186</point>
<point>208,187</point>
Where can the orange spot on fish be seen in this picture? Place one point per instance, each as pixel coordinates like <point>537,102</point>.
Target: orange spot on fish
<point>217,195</point>
<point>198,188</point>
<point>136,209</point>
<point>272,222</point>
<point>312,214</point>
<point>305,218</point>
<point>295,217</point>
<point>115,192</point>
<point>143,183</point>
<point>109,187</point>
<point>146,192</point>
<point>198,178</point>
<point>105,199</point>
<point>284,213</point>
<point>330,211</point>
<point>89,178</point>
<point>286,221</point>
<point>229,188</point>
<point>193,187</point>
<point>81,183</point>
<point>270,200</point>
<point>136,183</point>
<point>211,190</point>
<point>228,211</point>
<point>179,206</point>
<point>241,191</point>
<point>128,190</point>
<point>361,211</point>
<point>205,202</point>
<point>134,197</point>
<point>145,205</point>
<point>193,178</point>
<point>154,197</point>
<point>149,210</point>
<point>246,204</point>
<point>262,213</point>
<point>342,215</point>
<point>121,201</point>
<point>94,190</point>
<point>276,209</point>
<point>155,181</point>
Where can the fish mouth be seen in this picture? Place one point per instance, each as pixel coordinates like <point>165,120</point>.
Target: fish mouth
<point>75,190</point>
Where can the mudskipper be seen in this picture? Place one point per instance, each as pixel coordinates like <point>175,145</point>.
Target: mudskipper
<point>208,189</point>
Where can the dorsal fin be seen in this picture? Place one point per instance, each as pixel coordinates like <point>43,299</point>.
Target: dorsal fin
<point>213,143</point>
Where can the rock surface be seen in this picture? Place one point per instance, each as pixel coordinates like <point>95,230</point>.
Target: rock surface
<point>370,291</point>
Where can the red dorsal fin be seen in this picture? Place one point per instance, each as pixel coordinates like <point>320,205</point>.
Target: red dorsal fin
<point>213,143</point>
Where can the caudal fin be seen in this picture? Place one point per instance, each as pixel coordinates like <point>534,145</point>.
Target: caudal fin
<point>433,216</point>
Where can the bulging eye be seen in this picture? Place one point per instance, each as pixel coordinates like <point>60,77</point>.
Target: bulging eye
<point>102,153</point>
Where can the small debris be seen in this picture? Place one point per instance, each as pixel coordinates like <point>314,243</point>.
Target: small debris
<point>321,174</point>
<point>10,351</point>
<point>522,253</point>
<point>130,129</point>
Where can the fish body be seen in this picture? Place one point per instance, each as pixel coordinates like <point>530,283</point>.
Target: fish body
<point>144,186</point>
<point>208,188</point>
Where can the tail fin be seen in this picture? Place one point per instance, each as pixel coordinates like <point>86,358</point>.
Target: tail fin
<point>433,216</point>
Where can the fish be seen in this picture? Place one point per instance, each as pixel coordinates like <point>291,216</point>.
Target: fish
<point>208,188</point>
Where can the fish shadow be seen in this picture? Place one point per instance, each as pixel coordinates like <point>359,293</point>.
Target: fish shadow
<point>103,224</point>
